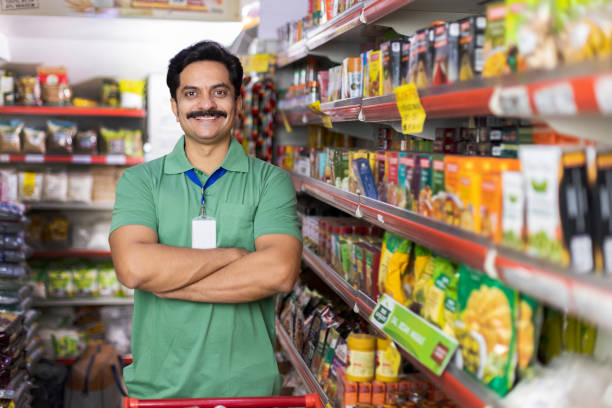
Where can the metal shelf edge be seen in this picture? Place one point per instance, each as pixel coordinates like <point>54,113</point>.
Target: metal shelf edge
<point>299,364</point>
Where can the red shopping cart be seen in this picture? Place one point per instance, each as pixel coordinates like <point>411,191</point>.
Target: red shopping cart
<point>307,401</point>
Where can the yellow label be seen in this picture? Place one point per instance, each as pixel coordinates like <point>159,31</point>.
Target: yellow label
<point>29,184</point>
<point>258,63</point>
<point>315,108</point>
<point>361,365</point>
<point>410,108</point>
<point>286,122</point>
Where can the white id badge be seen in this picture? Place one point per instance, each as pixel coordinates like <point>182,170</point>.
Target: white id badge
<point>203,232</point>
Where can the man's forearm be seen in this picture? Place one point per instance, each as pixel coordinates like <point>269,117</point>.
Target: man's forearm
<point>255,276</point>
<point>157,267</point>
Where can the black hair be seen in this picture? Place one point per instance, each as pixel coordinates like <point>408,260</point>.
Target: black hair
<point>204,51</point>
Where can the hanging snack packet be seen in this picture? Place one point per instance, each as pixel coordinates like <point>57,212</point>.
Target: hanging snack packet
<point>132,93</point>
<point>451,304</point>
<point>9,136</point>
<point>86,142</point>
<point>60,136</point>
<point>113,141</point>
<point>60,283</point>
<point>107,280</point>
<point>394,259</point>
<point>486,329</point>
<point>435,290</point>
<point>85,281</point>
<point>34,141</point>
<point>422,261</point>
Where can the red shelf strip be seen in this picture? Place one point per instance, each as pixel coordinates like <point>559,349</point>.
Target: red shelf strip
<point>70,253</point>
<point>73,111</point>
<point>76,159</point>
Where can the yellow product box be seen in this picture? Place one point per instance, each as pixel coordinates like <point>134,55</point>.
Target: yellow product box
<point>470,180</point>
<point>492,195</point>
<point>375,73</point>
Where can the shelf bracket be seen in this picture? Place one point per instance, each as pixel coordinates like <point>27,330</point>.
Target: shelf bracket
<point>489,264</point>
<point>356,308</point>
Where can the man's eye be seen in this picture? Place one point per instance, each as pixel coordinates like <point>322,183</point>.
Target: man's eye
<point>190,93</point>
<point>220,92</point>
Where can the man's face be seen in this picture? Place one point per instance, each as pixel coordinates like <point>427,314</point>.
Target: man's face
<point>205,105</point>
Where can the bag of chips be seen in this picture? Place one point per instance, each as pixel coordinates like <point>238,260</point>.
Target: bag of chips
<point>10,141</point>
<point>60,137</point>
<point>34,141</point>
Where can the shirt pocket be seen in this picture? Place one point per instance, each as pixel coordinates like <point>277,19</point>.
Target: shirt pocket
<point>235,226</point>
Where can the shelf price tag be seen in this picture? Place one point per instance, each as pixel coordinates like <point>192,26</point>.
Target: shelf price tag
<point>34,158</point>
<point>115,159</point>
<point>81,159</point>
<point>411,111</point>
<point>555,100</point>
<point>429,345</point>
<point>603,92</point>
<point>511,101</point>
<point>315,108</point>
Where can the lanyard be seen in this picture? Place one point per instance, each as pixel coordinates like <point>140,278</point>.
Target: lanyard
<point>211,180</point>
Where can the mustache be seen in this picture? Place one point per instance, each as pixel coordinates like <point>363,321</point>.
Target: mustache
<point>211,112</point>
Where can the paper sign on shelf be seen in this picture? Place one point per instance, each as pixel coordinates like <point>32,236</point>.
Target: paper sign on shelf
<point>315,108</point>
<point>428,344</point>
<point>409,106</point>
<point>511,101</point>
<point>257,63</point>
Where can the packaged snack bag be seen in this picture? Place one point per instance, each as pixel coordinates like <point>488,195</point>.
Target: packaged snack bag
<point>394,260</point>
<point>486,329</point>
<point>528,327</point>
<point>435,291</point>
<point>494,49</point>
<point>513,208</point>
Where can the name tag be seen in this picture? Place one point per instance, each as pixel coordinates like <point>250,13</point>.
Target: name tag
<point>203,232</point>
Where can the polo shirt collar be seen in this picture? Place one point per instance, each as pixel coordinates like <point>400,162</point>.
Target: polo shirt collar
<point>177,162</point>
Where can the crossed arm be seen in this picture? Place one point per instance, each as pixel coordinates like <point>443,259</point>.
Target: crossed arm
<point>221,275</point>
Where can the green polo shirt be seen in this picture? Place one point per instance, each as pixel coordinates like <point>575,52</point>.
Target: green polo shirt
<point>186,349</point>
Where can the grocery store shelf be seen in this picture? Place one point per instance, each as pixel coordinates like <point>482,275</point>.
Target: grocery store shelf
<point>116,160</point>
<point>69,206</point>
<point>70,253</point>
<point>458,385</point>
<point>586,296</point>
<point>94,301</point>
<point>344,110</point>
<point>72,111</point>
<point>377,9</point>
<point>298,363</point>
<point>337,26</point>
<point>70,361</point>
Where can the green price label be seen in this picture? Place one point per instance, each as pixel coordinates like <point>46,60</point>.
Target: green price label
<point>428,344</point>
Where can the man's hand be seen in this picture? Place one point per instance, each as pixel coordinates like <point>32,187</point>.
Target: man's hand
<point>142,263</point>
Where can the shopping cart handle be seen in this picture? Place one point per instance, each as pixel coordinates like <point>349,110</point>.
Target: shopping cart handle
<point>307,401</point>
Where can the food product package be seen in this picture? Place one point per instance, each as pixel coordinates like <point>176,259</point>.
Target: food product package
<point>435,291</point>
<point>109,93</point>
<point>375,86</point>
<point>85,281</point>
<point>60,135</point>
<point>558,226</point>
<point>107,280</point>
<point>80,186</point>
<point>28,91</point>
<point>486,329</point>
<point>471,42</point>
<point>535,34</point>
<point>113,141</point>
<point>394,262</point>
<point>438,187</point>
<point>104,184</point>
<point>425,205</point>
<point>60,283</point>
<point>86,142</point>
<point>9,186</point>
<point>56,232</point>
<point>405,61</point>
<point>453,207</point>
<point>365,179</point>
<point>423,268</point>
<point>470,180</point>
<point>528,328</point>
<point>391,169</point>
<point>54,85</point>
<point>365,73</point>
<point>400,187</point>
<point>10,140</point>
<point>351,78</point>
<point>513,209</point>
<point>34,141</point>
<point>602,219</point>
<point>445,36</point>
<point>492,195</point>
<point>412,181</point>
<point>62,343</point>
<point>55,186</point>
<point>371,271</point>
<point>132,93</point>
<point>587,31</point>
<point>420,60</point>
<point>323,80</point>
<point>30,186</point>
<point>133,143</point>
<point>494,49</point>
<point>396,64</point>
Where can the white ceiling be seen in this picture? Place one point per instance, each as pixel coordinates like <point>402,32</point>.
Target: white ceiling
<point>96,47</point>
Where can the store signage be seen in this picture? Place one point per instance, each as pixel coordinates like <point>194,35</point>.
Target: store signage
<point>428,344</point>
<point>409,106</point>
<point>315,108</point>
<point>216,10</point>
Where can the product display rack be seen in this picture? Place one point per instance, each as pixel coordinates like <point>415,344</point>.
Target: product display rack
<point>111,160</point>
<point>361,14</point>
<point>458,385</point>
<point>92,301</point>
<point>586,296</point>
<point>72,111</point>
<point>70,253</point>
<point>584,89</point>
<point>298,363</point>
<point>69,206</point>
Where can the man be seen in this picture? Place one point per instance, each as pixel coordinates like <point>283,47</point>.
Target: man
<point>203,321</point>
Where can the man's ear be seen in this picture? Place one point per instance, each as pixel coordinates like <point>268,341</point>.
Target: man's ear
<point>174,108</point>
<point>239,105</point>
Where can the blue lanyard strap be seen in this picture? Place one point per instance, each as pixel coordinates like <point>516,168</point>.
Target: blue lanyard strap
<point>211,180</point>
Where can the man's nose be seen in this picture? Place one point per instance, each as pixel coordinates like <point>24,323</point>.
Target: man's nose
<point>206,102</point>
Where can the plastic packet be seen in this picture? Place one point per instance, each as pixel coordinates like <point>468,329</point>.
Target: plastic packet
<point>54,84</point>
<point>528,327</point>
<point>435,291</point>
<point>55,232</point>
<point>107,279</point>
<point>86,281</point>
<point>394,259</point>
<point>80,187</point>
<point>60,137</point>
<point>86,142</point>
<point>34,141</point>
<point>133,143</point>
<point>113,141</point>
<point>13,242</point>
<point>10,141</point>
<point>28,91</point>
<point>60,283</point>
<point>30,186</point>
<point>55,186</point>
<point>13,271</point>
<point>132,93</point>
<point>8,186</point>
